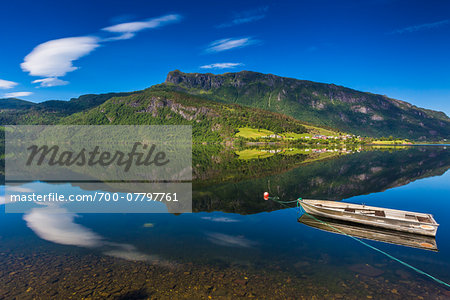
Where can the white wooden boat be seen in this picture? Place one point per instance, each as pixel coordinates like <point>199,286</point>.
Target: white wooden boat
<point>412,222</point>
<point>370,233</point>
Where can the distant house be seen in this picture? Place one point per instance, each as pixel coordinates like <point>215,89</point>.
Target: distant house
<point>275,136</point>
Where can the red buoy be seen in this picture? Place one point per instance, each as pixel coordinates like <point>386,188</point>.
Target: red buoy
<point>266,196</point>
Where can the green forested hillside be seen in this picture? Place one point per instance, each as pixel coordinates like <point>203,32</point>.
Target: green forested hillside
<point>217,106</point>
<point>318,103</point>
<point>16,111</point>
<point>210,120</point>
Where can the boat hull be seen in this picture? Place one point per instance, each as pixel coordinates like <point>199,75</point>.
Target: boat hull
<point>312,207</point>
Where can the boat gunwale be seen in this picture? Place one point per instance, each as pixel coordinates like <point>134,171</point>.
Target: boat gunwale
<point>434,224</point>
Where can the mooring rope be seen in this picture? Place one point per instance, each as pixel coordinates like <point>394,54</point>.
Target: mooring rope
<point>276,199</point>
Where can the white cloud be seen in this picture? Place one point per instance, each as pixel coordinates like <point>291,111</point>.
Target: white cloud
<point>16,189</point>
<point>229,240</point>
<point>246,17</point>
<point>57,225</point>
<point>238,21</point>
<point>54,58</point>
<point>131,255</point>
<point>3,200</point>
<point>17,94</point>
<point>421,27</point>
<point>6,84</point>
<point>222,66</point>
<point>228,44</point>
<point>220,219</point>
<point>124,36</point>
<point>129,29</point>
<point>19,189</point>
<point>50,81</point>
<point>128,252</point>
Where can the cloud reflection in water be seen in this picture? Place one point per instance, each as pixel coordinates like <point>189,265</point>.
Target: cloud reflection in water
<point>56,224</point>
<point>229,240</point>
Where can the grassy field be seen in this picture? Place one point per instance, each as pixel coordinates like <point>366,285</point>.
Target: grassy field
<point>247,132</point>
<point>294,151</point>
<point>253,154</point>
<point>311,155</point>
<point>320,131</point>
<point>252,133</point>
<point>248,154</point>
<point>292,135</point>
<point>394,142</point>
<point>386,147</point>
<point>320,156</point>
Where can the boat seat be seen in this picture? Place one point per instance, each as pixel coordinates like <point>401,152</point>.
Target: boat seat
<point>380,213</point>
<point>424,219</point>
<point>410,217</point>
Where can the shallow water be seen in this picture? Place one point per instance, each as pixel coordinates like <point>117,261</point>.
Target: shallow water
<point>237,244</point>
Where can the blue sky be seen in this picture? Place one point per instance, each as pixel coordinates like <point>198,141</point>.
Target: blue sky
<point>63,49</point>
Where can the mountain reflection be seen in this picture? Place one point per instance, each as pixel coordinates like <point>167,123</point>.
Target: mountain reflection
<point>335,178</point>
<point>224,181</point>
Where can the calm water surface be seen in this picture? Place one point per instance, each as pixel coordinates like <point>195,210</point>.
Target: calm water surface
<point>235,244</point>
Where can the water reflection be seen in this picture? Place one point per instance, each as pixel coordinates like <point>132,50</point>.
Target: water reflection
<point>56,224</point>
<point>334,178</point>
<point>246,246</point>
<point>370,233</point>
<point>227,240</point>
<point>230,184</point>
<point>220,219</point>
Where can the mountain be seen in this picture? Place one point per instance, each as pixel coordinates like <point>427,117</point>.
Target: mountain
<point>211,121</point>
<point>217,105</point>
<point>13,103</point>
<point>321,104</point>
<point>15,111</point>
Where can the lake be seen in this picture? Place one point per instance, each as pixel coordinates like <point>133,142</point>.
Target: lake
<point>235,244</point>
